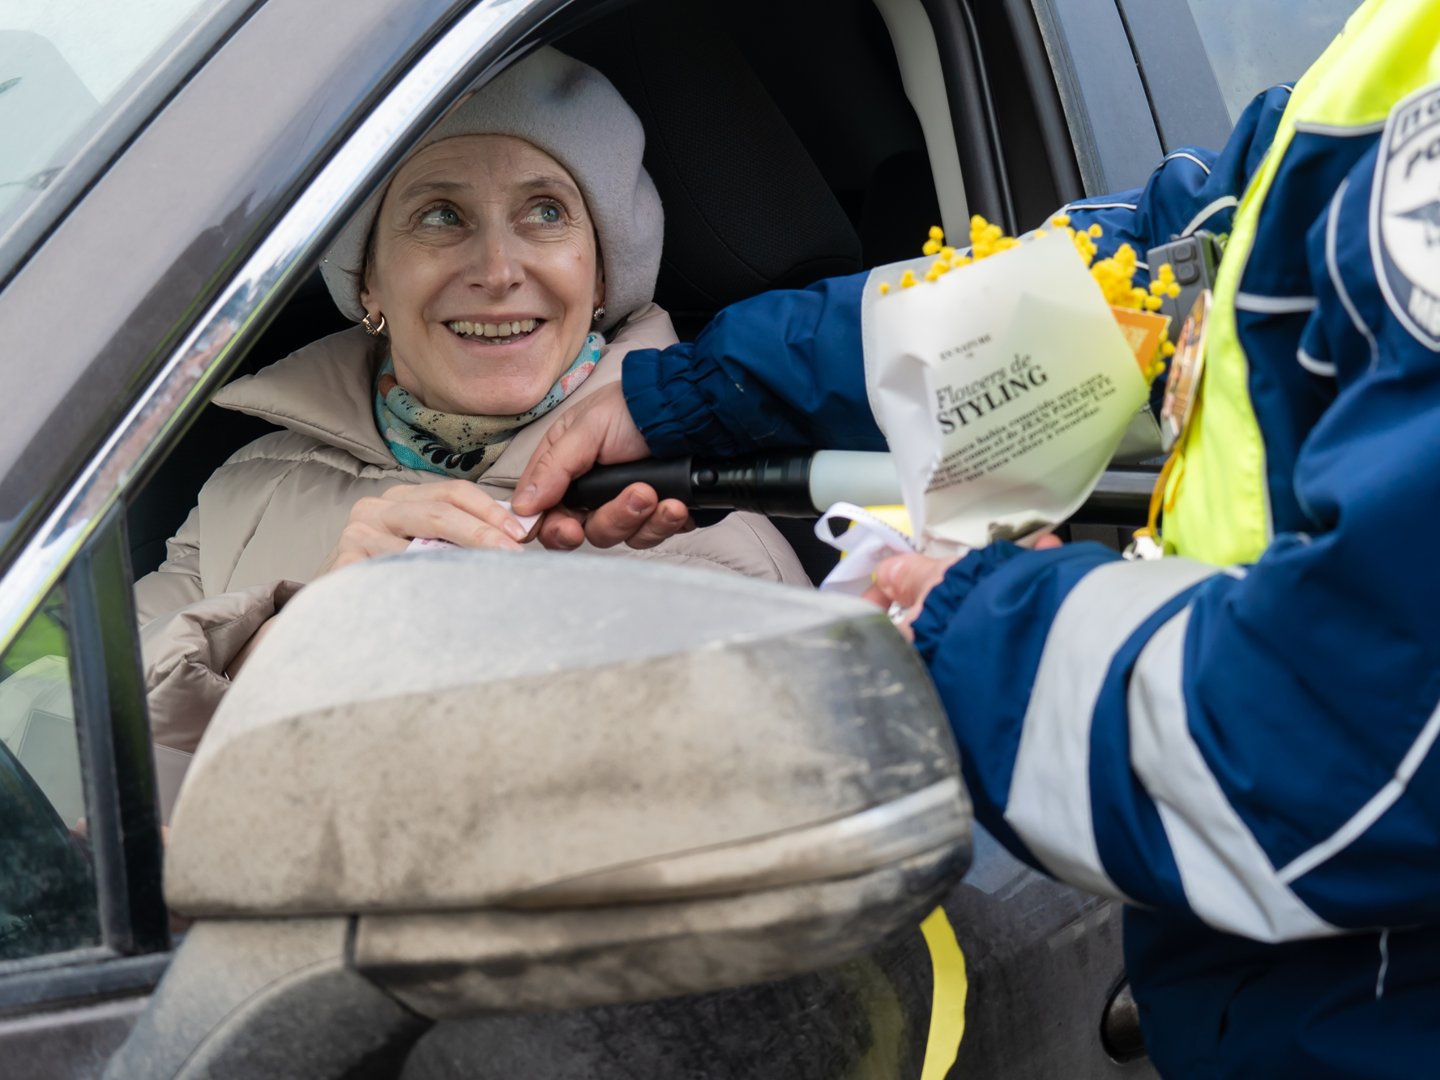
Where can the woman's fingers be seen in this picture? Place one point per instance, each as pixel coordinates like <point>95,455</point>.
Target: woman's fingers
<point>458,493</point>
<point>455,510</point>
<point>440,520</point>
<point>411,510</point>
<point>359,541</point>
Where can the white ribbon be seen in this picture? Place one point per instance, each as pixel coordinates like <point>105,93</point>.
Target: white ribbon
<point>865,544</point>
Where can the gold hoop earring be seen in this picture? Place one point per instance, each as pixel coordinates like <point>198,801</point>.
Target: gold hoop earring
<point>598,314</point>
<point>373,329</point>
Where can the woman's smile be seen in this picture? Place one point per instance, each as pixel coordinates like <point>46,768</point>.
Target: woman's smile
<point>500,333</point>
<point>495,333</point>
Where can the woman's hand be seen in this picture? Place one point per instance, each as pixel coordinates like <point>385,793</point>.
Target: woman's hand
<point>453,510</point>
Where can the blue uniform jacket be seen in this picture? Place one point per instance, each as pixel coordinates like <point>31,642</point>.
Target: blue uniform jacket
<point>1246,755</point>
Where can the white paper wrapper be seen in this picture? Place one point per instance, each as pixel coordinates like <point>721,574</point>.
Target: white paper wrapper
<point>1003,389</point>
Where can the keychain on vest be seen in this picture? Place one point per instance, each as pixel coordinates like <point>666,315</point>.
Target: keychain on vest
<point>1177,411</point>
<point>1182,382</point>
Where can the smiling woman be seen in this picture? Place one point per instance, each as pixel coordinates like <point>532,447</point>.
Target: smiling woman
<point>496,275</point>
<point>499,279</point>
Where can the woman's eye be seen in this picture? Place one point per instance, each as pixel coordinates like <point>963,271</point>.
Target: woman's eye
<point>441,216</point>
<point>547,213</point>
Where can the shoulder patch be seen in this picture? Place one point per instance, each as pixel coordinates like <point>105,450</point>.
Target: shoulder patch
<point>1405,215</point>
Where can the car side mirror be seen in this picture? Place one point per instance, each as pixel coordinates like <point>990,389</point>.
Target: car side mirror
<point>461,781</point>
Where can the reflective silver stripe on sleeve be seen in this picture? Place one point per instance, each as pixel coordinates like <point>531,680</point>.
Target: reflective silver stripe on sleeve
<point>1225,202</point>
<point>1049,804</point>
<point>1274,305</point>
<point>1323,368</point>
<point>1075,208</point>
<point>1180,155</point>
<point>1308,127</point>
<point>1373,810</point>
<point>1229,881</point>
<point>1332,264</point>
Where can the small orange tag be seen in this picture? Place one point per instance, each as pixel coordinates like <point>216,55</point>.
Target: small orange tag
<point>1142,330</point>
<point>1182,387</point>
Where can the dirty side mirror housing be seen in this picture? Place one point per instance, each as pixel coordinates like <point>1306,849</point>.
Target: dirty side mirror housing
<point>460,782</point>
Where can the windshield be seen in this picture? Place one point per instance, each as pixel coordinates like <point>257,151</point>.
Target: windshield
<point>65,67</point>
<point>1263,42</point>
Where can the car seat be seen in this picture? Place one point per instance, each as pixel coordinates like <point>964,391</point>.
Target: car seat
<point>747,206</point>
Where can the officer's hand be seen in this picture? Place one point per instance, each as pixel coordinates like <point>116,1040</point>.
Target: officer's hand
<point>903,581</point>
<point>601,431</point>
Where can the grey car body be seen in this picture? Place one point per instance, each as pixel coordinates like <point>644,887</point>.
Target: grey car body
<point>174,240</point>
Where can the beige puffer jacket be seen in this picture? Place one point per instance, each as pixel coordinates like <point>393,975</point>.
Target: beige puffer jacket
<point>269,517</point>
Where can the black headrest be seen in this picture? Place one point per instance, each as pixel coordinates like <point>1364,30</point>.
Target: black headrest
<point>746,209</point>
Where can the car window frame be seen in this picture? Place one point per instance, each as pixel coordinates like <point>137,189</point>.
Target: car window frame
<point>155,236</point>
<point>1097,75</point>
<point>1110,86</point>
<point>1184,94</point>
<point>117,123</point>
<point>122,816</point>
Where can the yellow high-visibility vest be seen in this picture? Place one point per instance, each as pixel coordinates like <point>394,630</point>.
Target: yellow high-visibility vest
<point>1216,498</point>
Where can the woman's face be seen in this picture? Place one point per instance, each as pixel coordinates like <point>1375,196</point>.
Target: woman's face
<point>475,235</point>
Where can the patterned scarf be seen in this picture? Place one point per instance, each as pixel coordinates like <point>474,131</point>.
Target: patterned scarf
<point>456,445</point>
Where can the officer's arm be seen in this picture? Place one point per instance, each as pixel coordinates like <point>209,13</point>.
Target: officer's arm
<point>1256,746</point>
<point>782,369</point>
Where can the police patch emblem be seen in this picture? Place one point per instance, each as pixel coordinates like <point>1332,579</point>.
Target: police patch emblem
<point>1405,215</point>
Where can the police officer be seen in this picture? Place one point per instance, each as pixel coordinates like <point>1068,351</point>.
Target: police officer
<point>1240,739</point>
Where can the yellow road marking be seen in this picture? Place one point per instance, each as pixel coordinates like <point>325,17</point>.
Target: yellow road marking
<point>947,996</point>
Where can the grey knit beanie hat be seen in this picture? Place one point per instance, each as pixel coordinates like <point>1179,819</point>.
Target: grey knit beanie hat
<point>570,111</point>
